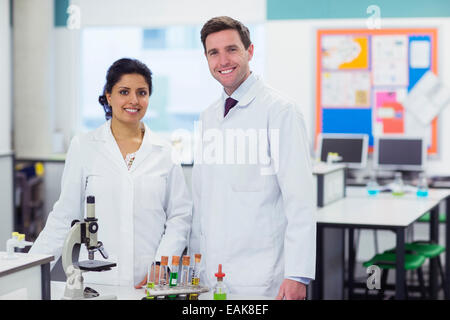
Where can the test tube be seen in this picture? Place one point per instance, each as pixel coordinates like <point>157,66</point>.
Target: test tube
<point>174,274</point>
<point>163,272</point>
<point>185,271</point>
<point>152,277</point>
<point>174,271</point>
<point>195,279</point>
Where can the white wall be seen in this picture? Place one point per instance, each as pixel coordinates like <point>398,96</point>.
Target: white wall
<point>169,12</point>
<point>290,56</point>
<point>33,77</point>
<point>66,93</point>
<point>5,78</point>
<point>6,174</point>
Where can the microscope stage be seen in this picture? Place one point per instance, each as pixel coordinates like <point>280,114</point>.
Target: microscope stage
<point>94,265</point>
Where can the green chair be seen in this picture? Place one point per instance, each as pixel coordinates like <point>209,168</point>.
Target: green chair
<point>430,251</point>
<point>387,261</point>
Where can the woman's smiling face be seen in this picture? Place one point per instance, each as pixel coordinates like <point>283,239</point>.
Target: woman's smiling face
<point>129,98</point>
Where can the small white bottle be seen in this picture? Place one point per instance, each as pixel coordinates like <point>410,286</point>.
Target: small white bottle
<point>17,240</point>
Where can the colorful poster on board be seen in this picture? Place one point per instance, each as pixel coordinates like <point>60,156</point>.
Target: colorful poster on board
<point>364,77</point>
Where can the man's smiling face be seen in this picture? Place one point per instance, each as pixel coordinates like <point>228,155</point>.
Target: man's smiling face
<point>228,59</point>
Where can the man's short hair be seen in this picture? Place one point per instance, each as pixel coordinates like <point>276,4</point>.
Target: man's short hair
<point>225,23</point>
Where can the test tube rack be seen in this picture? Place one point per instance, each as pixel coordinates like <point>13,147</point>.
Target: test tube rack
<point>178,290</point>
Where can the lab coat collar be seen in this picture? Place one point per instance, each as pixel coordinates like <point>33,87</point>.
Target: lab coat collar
<point>149,141</point>
<point>245,94</point>
<point>104,133</point>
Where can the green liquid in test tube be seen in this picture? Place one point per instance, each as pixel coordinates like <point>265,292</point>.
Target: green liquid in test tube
<point>151,278</point>
<point>173,281</point>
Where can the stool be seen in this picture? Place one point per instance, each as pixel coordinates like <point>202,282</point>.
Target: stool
<point>430,251</point>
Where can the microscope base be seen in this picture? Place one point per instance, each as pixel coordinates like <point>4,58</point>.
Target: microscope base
<point>75,289</point>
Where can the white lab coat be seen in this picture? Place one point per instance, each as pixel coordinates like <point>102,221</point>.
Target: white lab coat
<point>142,213</point>
<point>261,228</point>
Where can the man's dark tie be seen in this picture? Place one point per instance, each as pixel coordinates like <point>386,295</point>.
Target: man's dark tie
<point>229,103</point>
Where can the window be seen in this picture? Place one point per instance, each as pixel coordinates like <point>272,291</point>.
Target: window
<point>182,83</point>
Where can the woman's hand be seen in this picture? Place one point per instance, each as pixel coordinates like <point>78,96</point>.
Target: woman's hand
<point>154,274</point>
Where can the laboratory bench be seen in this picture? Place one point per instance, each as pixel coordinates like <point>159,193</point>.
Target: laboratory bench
<point>25,277</point>
<point>130,293</point>
<point>381,212</point>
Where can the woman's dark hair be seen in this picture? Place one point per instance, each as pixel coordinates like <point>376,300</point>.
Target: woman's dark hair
<point>115,73</point>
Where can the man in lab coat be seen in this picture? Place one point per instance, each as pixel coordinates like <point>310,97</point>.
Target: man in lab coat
<point>252,178</point>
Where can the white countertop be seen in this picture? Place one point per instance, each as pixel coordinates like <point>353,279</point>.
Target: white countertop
<point>23,261</point>
<point>130,293</point>
<point>434,194</point>
<point>358,208</point>
<point>323,167</point>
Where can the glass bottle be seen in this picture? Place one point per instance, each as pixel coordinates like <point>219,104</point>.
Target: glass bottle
<point>372,186</point>
<point>422,186</point>
<point>220,289</point>
<point>398,188</point>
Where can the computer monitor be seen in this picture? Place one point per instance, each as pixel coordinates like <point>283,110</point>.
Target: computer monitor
<point>351,147</point>
<point>406,153</point>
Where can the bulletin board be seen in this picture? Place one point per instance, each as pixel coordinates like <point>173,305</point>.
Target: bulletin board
<point>363,75</point>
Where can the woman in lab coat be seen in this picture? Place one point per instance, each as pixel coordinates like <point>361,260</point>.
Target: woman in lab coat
<point>141,200</point>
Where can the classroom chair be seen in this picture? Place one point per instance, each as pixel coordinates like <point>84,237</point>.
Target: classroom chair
<point>430,251</point>
<point>386,261</point>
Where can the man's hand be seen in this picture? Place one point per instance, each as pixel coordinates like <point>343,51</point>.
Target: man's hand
<point>291,290</point>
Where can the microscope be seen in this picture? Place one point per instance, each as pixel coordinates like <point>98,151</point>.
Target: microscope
<point>83,233</point>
